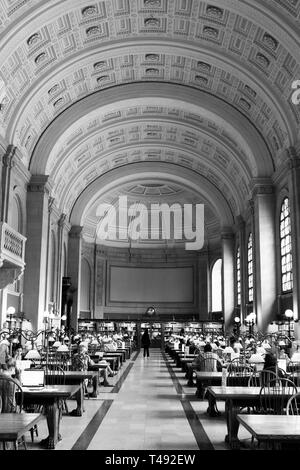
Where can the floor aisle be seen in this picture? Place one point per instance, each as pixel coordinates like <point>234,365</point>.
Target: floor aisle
<point>146,413</point>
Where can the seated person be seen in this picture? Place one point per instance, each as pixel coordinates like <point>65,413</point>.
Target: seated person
<point>257,360</point>
<point>7,389</point>
<point>296,355</point>
<point>207,361</point>
<point>81,361</point>
<point>110,346</point>
<point>270,364</point>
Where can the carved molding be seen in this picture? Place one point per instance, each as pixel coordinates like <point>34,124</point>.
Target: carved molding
<point>262,186</point>
<point>10,275</point>
<point>62,220</point>
<point>8,157</point>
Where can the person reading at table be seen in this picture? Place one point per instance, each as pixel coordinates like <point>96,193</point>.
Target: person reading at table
<point>7,389</point>
<point>82,360</point>
<point>207,361</point>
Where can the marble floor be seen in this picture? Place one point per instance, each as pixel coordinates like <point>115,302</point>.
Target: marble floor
<point>148,408</point>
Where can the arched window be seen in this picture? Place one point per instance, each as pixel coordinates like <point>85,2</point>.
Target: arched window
<point>216,286</point>
<point>250,267</point>
<point>238,276</point>
<point>286,247</point>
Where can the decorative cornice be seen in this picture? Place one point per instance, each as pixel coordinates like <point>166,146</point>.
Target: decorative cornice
<point>38,184</point>
<point>262,186</point>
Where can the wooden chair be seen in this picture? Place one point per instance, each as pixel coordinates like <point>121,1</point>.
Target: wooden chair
<point>238,374</point>
<point>293,405</point>
<point>272,397</point>
<point>12,398</point>
<point>294,370</point>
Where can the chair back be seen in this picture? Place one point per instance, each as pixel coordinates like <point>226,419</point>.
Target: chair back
<point>255,379</point>
<point>238,374</point>
<point>273,397</point>
<point>208,364</point>
<point>293,405</point>
<point>11,395</point>
<point>294,370</point>
<point>55,375</point>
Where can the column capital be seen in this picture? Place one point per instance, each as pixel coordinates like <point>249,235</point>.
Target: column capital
<point>293,157</point>
<point>76,231</point>
<point>227,234</point>
<point>240,222</point>
<point>262,186</point>
<point>38,184</point>
<point>8,157</point>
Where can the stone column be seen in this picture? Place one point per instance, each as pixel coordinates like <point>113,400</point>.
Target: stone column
<point>74,271</point>
<point>35,277</point>
<point>99,282</point>
<point>227,276</point>
<point>294,198</point>
<point>50,208</point>
<point>264,252</point>
<point>60,238</point>
<point>243,258</point>
<point>203,284</point>
<point>7,164</point>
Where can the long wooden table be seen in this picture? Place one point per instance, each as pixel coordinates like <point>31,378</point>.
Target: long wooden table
<point>272,430</point>
<point>206,379</point>
<point>76,377</point>
<point>235,398</point>
<point>14,425</point>
<point>50,397</point>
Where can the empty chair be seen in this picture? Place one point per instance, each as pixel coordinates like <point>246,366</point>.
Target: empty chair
<point>293,405</point>
<point>273,396</point>
<point>238,374</point>
<point>258,379</point>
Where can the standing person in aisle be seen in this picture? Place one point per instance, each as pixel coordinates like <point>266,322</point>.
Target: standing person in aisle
<point>146,342</point>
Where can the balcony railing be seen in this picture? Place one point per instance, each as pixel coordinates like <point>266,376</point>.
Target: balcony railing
<point>12,246</point>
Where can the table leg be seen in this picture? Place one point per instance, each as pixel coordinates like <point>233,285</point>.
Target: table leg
<point>212,405</point>
<point>79,399</point>
<point>95,380</point>
<point>231,411</point>
<point>53,421</point>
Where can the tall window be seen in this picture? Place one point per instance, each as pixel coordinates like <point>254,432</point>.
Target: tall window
<point>216,286</point>
<point>286,247</point>
<point>238,276</point>
<point>250,267</point>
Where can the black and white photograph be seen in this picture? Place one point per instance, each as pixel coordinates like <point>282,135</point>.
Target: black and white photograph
<point>150,229</point>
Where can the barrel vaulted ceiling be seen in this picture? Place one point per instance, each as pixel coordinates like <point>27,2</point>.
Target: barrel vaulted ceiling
<point>91,87</point>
